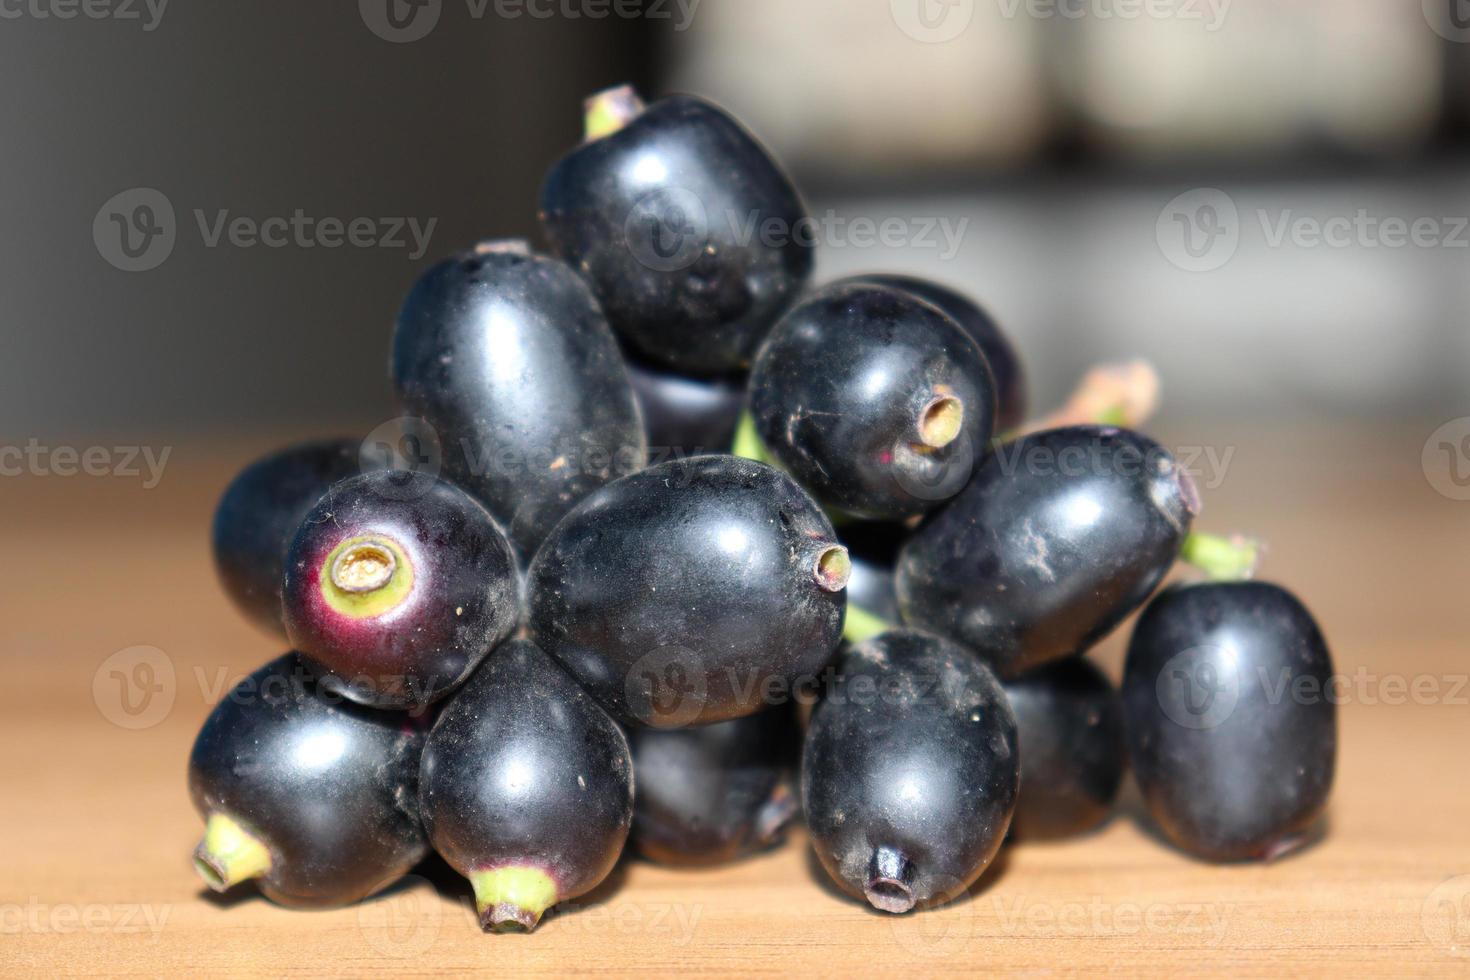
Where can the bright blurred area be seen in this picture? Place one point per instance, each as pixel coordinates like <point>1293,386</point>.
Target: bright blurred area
<point>1268,198</point>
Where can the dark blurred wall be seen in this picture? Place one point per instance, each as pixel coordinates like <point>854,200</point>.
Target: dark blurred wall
<point>258,110</point>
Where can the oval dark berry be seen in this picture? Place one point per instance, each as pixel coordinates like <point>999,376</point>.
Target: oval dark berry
<point>691,593</point>
<point>1000,353</point>
<point>910,771</point>
<point>526,788</point>
<point>1232,727</point>
<point>693,239</point>
<point>510,360</point>
<point>1072,752</point>
<point>396,600</point>
<point>876,402</point>
<point>311,796</point>
<point>1059,536</point>
<point>716,793</point>
<point>686,416</point>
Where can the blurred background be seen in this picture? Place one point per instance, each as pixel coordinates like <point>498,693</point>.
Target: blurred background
<point>1268,199</point>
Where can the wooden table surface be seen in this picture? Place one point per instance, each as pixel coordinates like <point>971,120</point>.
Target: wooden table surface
<point>96,827</point>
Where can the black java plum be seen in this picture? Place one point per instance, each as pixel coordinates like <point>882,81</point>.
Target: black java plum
<point>1232,727</point>
<point>877,402</point>
<point>396,600</point>
<point>312,797</point>
<point>686,416</point>
<point>1058,537</point>
<point>526,788</point>
<point>509,359</point>
<point>1072,752</point>
<point>715,793</point>
<point>1000,353</point>
<point>910,771</point>
<point>683,594</point>
<point>668,209</point>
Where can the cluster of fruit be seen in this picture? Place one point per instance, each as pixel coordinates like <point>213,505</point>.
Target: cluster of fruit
<point>888,584</point>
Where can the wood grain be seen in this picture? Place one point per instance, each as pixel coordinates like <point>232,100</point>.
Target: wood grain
<point>96,827</point>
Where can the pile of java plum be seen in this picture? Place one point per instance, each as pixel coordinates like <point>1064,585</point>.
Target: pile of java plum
<point>680,547</point>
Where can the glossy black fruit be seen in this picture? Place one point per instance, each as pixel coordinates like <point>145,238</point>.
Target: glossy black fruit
<point>874,400</point>
<point>1000,354</point>
<point>910,771</point>
<point>508,357</point>
<point>1231,721</point>
<point>692,237</point>
<point>686,416</point>
<point>396,600</point>
<point>1072,752</point>
<point>258,515</point>
<point>1059,536</point>
<point>716,793</point>
<point>691,593</point>
<point>526,787</point>
<point>311,796</point>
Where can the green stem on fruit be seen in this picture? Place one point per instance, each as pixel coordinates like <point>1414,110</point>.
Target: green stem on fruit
<point>748,442</point>
<point>1222,559</point>
<point>863,625</point>
<point>228,854</point>
<point>512,898</point>
<point>610,110</point>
